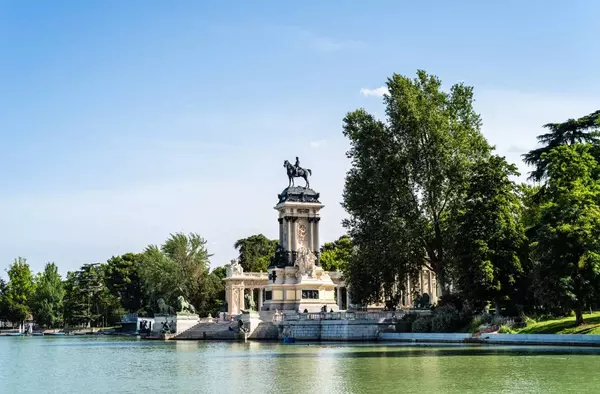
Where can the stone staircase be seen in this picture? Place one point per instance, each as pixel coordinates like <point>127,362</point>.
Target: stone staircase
<point>210,331</point>
<point>265,331</point>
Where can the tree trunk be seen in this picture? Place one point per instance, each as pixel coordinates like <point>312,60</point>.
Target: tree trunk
<point>497,305</point>
<point>579,316</point>
<point>441,279</point>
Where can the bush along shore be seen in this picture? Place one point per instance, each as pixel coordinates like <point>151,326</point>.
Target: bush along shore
<point>449,323</point>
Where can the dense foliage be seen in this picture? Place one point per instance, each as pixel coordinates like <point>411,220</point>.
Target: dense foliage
<point>47,302</point>
<point>408,175</point>
<point>334,256</point>
<point>99,294</point>
<point>491,256</point>
<point>425,190</point>
<point>255,252</point>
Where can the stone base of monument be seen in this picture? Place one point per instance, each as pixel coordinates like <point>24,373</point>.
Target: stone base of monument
<point>298,290</point>
<point>179,322</point>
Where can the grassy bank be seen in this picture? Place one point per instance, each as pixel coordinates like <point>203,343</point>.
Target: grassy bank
<point>565,325</point>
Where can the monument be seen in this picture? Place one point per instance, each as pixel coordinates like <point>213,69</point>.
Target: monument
<point>296,280</point>
<point>169,321</point>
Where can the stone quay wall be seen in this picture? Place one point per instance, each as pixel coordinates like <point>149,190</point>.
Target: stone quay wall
<point>332,330</point>
<point>495,339</point>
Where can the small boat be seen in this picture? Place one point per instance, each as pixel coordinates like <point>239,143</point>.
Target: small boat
<point>56,334</point>
<point>37,334</point>
<point>14,334</point>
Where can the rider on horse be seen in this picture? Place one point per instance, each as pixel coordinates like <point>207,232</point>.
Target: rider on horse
<point>297,165</point>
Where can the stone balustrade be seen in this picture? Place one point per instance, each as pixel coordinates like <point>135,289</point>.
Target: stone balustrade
<point>370,315</point>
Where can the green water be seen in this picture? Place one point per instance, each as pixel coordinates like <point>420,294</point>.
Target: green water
<point>107,365</point>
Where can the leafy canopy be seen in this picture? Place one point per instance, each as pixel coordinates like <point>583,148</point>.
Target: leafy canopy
<point>47,305</point>
<point>407,175</point>
<point>492,238</point>
<point>335,255</point>
<point>574,131</point>
<point>567,242</point>
<point>255,252</point>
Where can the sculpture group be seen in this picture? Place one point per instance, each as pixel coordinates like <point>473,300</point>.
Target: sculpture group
<point>305,261</point>
<point>184,307</point>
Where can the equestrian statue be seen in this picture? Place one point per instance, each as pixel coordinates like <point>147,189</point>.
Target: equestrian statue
<point>295,171</point>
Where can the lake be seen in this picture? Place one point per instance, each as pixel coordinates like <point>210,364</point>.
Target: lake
<point>110,365</point>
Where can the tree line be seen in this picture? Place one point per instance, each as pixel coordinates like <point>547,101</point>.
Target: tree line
<point>427,190</point>
<point>99,294</point>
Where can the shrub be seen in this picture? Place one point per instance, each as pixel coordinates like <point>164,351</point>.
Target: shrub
<point>405,324</point>
<point>451,299</point>
<point>446,319</point>
<point>422,324</point>
<point>505,329</point>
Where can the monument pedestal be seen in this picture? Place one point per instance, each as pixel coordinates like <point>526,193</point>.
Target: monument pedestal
<point>179,322</point>
<point>296,281</point>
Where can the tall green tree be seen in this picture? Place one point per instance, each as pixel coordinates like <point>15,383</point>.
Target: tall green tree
<point>47,306</point>
<point>87,299</point>
<point>3,301</point>
<point>335,255</point>
<point>255,252</point>
<point>214,293</point>
<point>20,290</point>
<point>123,280</point>
<point>567,243</point>
<point>574,131</point>
<point>179,267</point>
<point>493,246</point>
<point>407,175</point>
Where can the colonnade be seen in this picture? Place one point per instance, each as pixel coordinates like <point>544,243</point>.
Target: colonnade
<point>288,232</point>
<point>247,282</point>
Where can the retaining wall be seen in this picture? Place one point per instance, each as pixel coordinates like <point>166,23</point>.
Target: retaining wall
<point>508,339</point>
<point>333,330</point>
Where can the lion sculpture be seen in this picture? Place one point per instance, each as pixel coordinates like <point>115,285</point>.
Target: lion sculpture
<point>163,308</point>
<point>185,307</point>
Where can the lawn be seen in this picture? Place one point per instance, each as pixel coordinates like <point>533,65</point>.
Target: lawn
<point>565,325</point>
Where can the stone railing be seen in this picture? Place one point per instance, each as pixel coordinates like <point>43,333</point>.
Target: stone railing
<point>349,315</point>
<point>250,275</point>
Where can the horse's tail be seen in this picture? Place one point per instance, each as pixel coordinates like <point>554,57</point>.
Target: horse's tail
<point>309,171</point>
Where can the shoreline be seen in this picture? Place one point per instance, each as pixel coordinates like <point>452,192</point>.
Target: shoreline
<point>577,340</point>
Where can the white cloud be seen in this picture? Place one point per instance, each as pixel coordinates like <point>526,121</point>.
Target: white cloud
<point>377,92</point>
<point>318,143</point>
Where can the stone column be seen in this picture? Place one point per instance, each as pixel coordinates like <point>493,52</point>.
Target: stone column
<point>316,234</point>
<point>347,297</point>
<point>280,220</point>
<point>228,290</point>
<point>429,285</point>
<point>260,298</point>
<point>339,297</point>
<point>242,299</point>
<point>310,232</point>
<point>289,233</point>
<point>408,292</point>
<point>293,237</point>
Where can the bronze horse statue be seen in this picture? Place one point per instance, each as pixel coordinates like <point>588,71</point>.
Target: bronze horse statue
<point>296,172</point>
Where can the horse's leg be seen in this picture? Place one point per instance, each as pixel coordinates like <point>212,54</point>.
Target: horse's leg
<point>306,180</point>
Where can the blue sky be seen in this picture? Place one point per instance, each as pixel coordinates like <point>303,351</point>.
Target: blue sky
<point>122,122</point>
